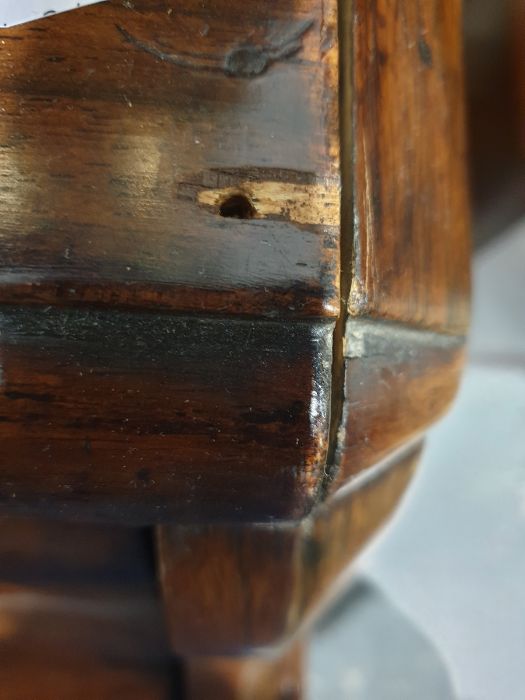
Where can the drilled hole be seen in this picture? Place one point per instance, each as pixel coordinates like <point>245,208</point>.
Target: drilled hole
<point>237,206</point>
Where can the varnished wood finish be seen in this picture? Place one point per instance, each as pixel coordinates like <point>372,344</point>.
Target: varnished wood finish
<point>405,204</point>
<point>233,294</point>
<point>398,380</point>
<point>124,132</point>
<point>398,339</point>
<point>410,249</point>
<point>140,418</point>
<point>116,117</point>
<point>79,614</point>
<point>148,417</point>
<point>59,647</point>
<point>48,556</point>
<point>229,589</point>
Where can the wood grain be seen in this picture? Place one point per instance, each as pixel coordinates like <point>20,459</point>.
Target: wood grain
<point>115,182</point>
<point>228,590</point>
<point>71,646</point>
<point>405,211</point>
<point>142,418</point>
<point>48,555</point>
<point>398,343</point>
<point>398,381</point>
<point>233,295</point>
<point>118,118</point>
<point>410,212</point>
<point>79,614</point>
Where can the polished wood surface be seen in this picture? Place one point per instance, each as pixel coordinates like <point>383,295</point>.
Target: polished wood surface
<point>160,161</point>
<point>45,555</point>
<point>398,341</point>
<point>125,126</point>
<point>410,213</point>
<point>233,296</point>
<point>405,229</point>
<point>232,589</point>
<point>141,418</point>
<point>398,380</point>
<point>79,614</point>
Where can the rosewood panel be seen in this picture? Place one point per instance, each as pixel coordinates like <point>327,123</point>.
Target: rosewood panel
<point>79,614</point>
<point>398,380</point>
<point>410,213</point>
<point>405,224</point>
<point>140,418</point>
<point>187,341</point>
<point>48,555</point>
<point>124,129</point>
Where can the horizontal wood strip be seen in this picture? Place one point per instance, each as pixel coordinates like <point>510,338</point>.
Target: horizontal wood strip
<point>140,418</point>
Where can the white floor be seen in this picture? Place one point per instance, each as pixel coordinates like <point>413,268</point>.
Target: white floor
<point>452,562</point>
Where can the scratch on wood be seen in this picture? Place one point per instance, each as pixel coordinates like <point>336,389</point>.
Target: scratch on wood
<point>173,58</point>
<point>243,61</point>
<point>313,204</point>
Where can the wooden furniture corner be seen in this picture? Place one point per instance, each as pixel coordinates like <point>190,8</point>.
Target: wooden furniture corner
<point>234,293</point>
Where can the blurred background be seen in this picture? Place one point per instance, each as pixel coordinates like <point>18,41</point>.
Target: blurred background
<point>437,607</point>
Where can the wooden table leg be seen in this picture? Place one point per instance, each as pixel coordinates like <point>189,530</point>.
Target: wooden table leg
<point>240,600</point>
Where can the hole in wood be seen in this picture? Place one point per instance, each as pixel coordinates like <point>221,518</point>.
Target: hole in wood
<point>237,206</point>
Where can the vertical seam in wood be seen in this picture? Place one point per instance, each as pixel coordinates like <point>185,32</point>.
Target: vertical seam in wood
<point>346,145</point>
